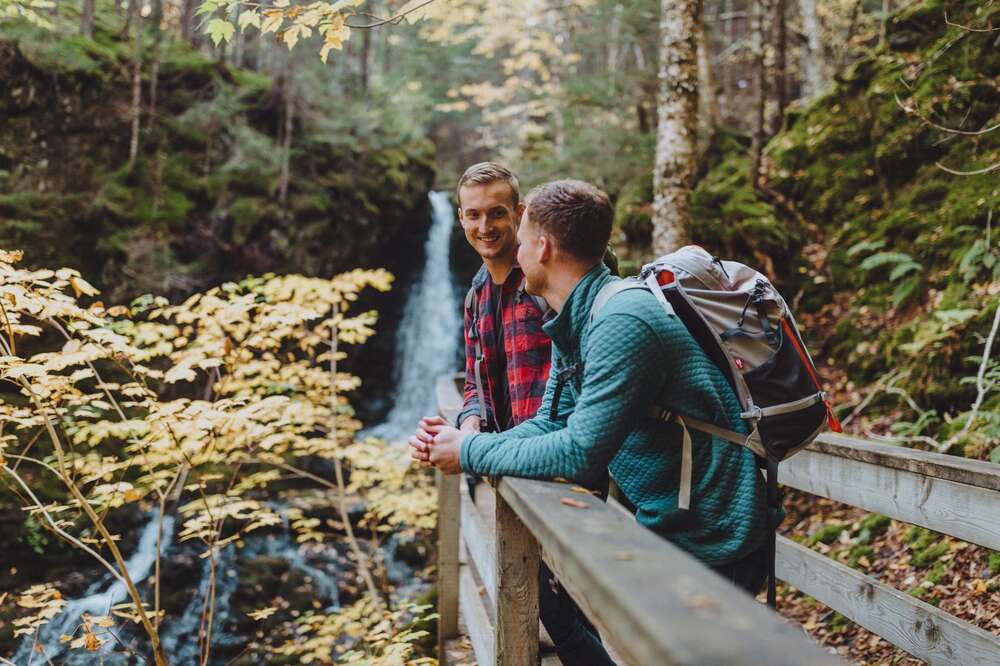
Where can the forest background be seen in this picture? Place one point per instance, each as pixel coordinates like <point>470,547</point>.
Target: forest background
<point>167,152</point>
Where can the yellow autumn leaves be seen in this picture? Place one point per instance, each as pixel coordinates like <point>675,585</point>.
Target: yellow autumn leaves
<point>293,23</point>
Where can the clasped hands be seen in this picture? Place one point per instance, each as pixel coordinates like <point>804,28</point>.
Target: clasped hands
<point>437,444</point>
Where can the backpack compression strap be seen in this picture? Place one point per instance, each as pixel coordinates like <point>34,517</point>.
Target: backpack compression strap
<point>472,304</point>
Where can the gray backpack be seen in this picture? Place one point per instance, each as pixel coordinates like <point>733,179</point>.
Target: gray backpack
<point>745,326</point>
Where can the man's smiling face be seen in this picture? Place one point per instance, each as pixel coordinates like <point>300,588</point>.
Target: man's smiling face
<point>489,219</point>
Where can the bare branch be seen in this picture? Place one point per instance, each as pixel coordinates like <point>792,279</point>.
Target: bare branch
<point>393,19</point>
<point>980,380</point>
<point>951,130</point>
<point>967,28</point>
<point>979,172</point>
<point>55,528</point>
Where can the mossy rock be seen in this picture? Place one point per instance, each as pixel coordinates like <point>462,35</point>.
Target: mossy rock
<point>827,534</point>
<point>873,525</point>
<point>993,562</point>
<point>857,552</point>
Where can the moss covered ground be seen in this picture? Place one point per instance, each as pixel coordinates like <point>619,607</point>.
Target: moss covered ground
<point>891,261</point>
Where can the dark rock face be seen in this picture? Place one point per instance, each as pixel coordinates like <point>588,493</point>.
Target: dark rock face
<point>201,202</point>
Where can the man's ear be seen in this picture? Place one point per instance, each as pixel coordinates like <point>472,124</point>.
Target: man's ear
<point>544,249</point>
<point>519,210</point>
<point>461,216</point>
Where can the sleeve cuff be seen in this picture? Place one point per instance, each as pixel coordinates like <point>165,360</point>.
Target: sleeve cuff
<point>472,410</point>
<point>464,453</point>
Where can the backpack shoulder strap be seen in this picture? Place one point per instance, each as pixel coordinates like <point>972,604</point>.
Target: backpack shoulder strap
<point>608,291</point>
<point>472,300</point>
<point>472,304</point>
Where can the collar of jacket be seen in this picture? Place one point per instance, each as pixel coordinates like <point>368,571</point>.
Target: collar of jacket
<point>483,274</point>
<point>566,328</point>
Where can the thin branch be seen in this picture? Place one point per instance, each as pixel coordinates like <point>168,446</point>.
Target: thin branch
<point>58,530</point>
<point>978,172</point>
<point>393,20</point>
<point>981,387</point>
<point>951,130</point>
<point>967,28</point>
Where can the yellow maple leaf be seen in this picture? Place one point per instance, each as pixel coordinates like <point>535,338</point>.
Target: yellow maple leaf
<point>262,613</point>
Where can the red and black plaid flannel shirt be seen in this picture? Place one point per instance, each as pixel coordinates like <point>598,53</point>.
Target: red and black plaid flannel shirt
<point>529,350</point>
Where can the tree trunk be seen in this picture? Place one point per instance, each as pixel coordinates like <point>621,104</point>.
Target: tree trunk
<point>187,21</point>
<point>677,125</point>
<point>726,69</point>
<point>780,64</point>
<point>133,146</point>
<point>286,135</point>
<point>886,12</point>
<point>812,53</point>
<point>709,112</point>
<point>366,51</point>
<point>761,8</point>
<point>87,19</point>
<point>239,41</point>
<point>130,16</point>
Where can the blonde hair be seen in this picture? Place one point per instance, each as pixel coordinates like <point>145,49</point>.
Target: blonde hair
<point>485,173</point>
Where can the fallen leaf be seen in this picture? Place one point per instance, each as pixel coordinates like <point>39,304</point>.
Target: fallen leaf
<point>581,490</point>
<point>624,556</point>
<point>575,503</point>
<point>262,613</point>
<point>702,601</point>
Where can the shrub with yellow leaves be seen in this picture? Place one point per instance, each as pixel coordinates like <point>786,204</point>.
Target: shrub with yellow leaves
<point>202,406</point>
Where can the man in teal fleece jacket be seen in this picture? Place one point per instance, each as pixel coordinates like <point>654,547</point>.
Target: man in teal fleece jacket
<point>606,376</point>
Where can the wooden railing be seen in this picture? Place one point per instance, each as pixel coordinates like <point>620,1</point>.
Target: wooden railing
<point>653,603</point>
<point>950,495</point>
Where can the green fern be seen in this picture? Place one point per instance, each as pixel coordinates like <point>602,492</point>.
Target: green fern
<point>902,269</point>
<point>905,289</point>
<point>865,246</point>
<point>884,259</point>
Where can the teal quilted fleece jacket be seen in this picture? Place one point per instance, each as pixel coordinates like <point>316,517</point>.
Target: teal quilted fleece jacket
<point>635,355</point>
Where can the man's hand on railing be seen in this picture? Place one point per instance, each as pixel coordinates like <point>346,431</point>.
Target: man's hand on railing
<point>437,444</point>
<point>422,440</point>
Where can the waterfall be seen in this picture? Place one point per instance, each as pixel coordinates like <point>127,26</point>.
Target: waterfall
<point>100,598</point>
<point>426,346</point>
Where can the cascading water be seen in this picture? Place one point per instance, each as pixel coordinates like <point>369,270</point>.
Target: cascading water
<point>98,603</point>
<point>426,348</point>
<point>428,334</point>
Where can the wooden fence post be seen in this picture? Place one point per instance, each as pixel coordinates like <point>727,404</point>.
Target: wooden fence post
<point>449,512</point>
<point>517,589</point>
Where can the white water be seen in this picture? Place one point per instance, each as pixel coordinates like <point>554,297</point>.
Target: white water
<point>427,343</point>
<point>98,603</point>
<point>426,348</point>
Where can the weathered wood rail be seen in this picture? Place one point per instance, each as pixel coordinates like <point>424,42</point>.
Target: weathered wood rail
<point>653,604</point>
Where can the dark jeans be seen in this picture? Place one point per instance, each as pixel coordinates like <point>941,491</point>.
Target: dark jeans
<point>577,641</point>
<point>748,574</point>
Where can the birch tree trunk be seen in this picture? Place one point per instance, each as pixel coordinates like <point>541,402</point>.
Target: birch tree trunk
<point>780,63</point>
<point>677,125</point>
<point>812,53</point>
<point>708,96</point>
<point>87,19</point>
<point>761,9</point>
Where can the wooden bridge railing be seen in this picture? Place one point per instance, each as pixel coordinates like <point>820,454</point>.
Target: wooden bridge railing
<point>652,603</point>
<point>950,495</point>
<point>655,605</point>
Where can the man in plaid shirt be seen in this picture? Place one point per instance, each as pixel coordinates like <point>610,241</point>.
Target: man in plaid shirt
<point>507,359</point>
<point>503,324</point>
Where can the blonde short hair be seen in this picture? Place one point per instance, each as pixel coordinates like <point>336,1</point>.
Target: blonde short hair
<point>485,173</point>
